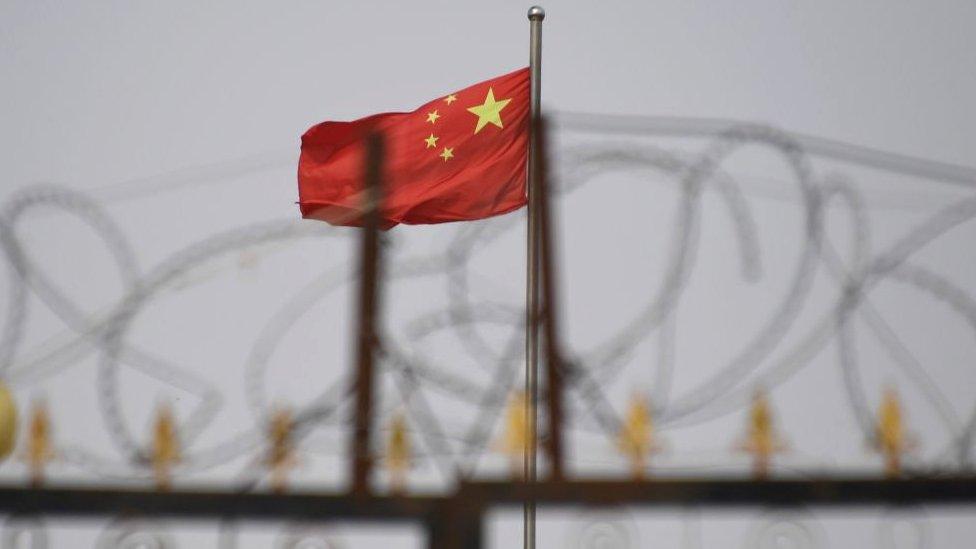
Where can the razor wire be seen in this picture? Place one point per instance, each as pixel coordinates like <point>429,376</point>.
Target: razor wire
<point>764,360</point>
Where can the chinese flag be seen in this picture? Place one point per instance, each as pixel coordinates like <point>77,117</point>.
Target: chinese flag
<point>459,157</point>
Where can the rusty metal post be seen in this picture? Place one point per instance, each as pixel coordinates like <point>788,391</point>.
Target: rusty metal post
<point>553,443</point>
<point>369,259</point>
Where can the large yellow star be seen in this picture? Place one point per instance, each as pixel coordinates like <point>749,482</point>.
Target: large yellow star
<point>431,141</point>
<point>489,112</point>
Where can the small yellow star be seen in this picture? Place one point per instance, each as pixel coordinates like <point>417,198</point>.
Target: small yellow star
<point>433,116</point>
<point>489,112</point>
<point>448,153</point>
<point>450,99</point>
<point>431,141</point>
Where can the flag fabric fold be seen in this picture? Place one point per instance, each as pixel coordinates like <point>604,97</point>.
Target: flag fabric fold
<point>459,157</point>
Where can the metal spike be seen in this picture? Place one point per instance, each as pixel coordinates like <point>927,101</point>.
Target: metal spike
<point>398,454</point>
<point>281,448</point>
<point>636,439</point>
<point>165,447</point>
<point>40,448</point>
<point>762,440</point>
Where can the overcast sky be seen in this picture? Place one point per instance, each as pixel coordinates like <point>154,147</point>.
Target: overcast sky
<point>120,98</point>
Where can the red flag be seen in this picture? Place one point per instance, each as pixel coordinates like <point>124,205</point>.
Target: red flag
<point>459,157</point>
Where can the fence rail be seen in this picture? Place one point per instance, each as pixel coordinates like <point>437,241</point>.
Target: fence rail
<point>457,520</point>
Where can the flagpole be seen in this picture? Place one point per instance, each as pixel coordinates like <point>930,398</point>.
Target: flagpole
<point>536,15</point>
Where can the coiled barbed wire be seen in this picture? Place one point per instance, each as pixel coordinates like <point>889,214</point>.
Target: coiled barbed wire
<point>760,360</point>
<point>792,530</point>
<point>18,528</point>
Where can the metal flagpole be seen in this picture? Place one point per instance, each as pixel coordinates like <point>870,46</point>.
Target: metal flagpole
<point>536,15</point>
